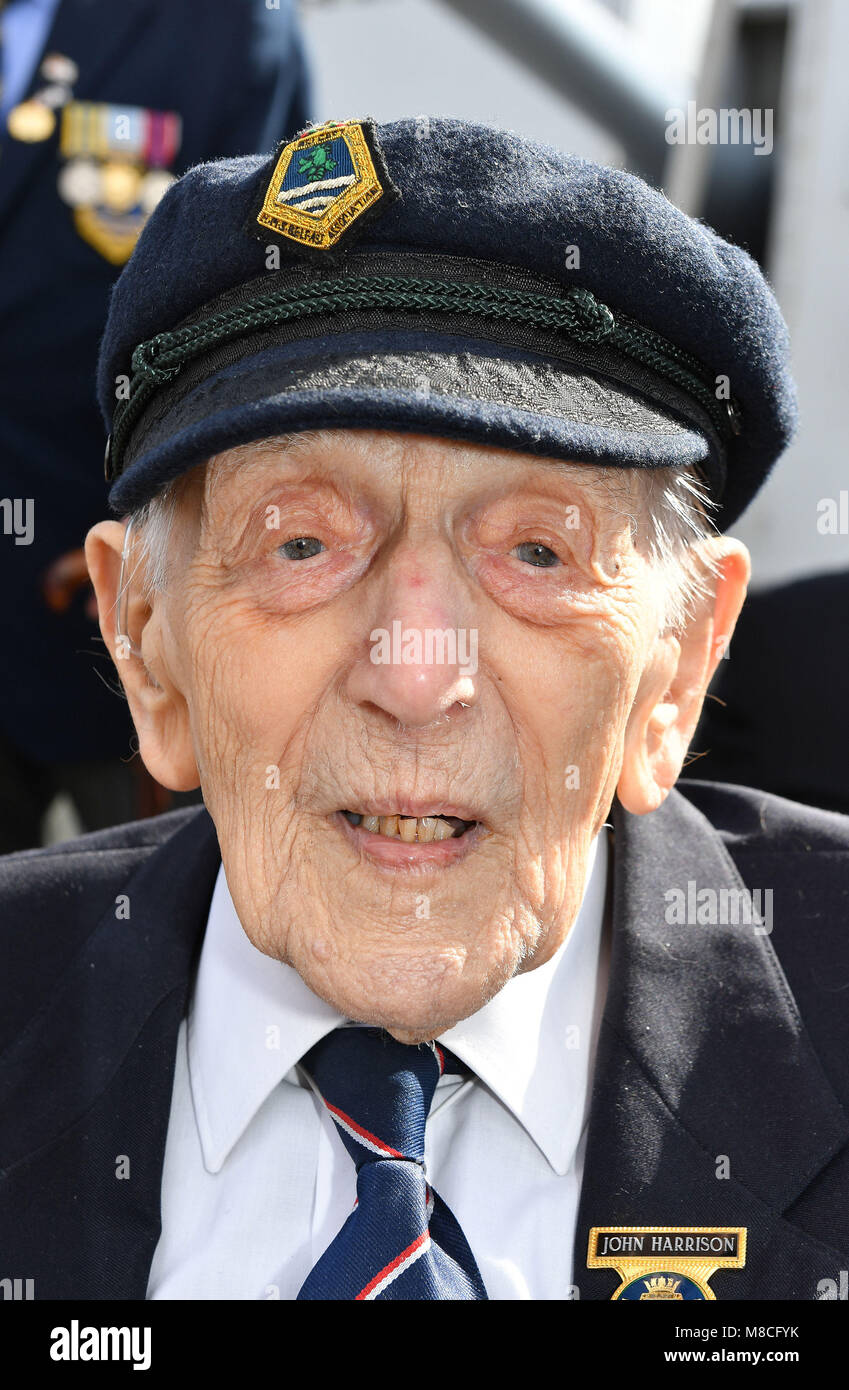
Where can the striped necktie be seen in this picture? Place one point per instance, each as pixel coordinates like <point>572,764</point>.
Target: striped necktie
<point>401,1241</point>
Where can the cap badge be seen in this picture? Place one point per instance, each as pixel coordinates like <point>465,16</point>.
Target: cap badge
<point>323,183</point>
<point>670,1263</point>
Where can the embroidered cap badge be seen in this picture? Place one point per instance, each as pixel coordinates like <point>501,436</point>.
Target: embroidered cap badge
<point>323,183</point>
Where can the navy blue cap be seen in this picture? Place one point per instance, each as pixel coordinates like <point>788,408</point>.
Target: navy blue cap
<point>449,279</point>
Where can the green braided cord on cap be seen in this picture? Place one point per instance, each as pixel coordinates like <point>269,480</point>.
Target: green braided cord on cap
<point>576,313</point>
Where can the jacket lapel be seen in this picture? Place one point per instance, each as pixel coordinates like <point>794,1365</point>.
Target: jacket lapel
<point>709,1106</point>
<point>81,1160</point>
<point>93,33</point>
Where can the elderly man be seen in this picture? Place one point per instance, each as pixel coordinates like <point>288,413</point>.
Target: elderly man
<point>425,440</point>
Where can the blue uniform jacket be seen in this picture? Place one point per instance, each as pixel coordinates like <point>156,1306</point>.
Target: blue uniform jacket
<point>234,72</point>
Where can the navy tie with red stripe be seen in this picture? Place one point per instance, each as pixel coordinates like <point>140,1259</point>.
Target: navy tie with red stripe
<point>401,1241</point>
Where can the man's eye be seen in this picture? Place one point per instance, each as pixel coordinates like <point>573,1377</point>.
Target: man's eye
<point>535,553</point>
<point>301,548</point>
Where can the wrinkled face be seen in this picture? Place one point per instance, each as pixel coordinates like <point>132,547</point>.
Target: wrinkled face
<point>408,665</point>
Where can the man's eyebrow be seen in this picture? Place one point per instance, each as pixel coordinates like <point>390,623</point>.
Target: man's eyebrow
<point>234,515</point>
<point>614,483</point>
<point>289,455</point>
<point>234,475</point>
<point>259,451</point>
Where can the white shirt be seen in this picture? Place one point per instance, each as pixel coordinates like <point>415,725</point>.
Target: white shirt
<point>256,1181</point>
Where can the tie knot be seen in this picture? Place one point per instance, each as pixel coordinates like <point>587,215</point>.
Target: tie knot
<point>377,1090</point>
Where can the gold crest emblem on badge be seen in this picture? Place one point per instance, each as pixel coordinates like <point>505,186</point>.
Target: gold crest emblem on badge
<point>666,1263</point>
<point>322,183</point>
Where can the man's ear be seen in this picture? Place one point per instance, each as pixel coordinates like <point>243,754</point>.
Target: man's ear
<point>670,697</point>
<point>158,708</point>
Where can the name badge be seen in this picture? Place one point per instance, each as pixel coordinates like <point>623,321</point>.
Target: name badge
<point>668,1263</point>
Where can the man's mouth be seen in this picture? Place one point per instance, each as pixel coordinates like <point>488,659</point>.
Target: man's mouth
<point>394,838</point>
<point>412,829</point>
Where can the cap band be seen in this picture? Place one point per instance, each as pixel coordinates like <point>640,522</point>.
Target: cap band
<point>573,314</point>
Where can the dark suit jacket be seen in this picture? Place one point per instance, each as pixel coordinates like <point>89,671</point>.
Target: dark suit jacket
<point>234,71</point>
<point>715,1041</point>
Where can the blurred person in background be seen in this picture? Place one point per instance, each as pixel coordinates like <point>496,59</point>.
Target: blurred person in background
<point>775,716</point>
<point>103,105</point>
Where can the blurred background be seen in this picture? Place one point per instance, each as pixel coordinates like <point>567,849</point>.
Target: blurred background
<point>633,83</point>
<point>597,77</point>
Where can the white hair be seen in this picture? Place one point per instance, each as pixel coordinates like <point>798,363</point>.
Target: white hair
<point>679,512</point>
<point>673,514</point>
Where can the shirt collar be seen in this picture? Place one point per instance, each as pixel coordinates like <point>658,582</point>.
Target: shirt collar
<point>252,1018</point>
<point>533,1044</point>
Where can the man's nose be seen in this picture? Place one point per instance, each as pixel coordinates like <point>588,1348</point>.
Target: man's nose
<point>419,657</point>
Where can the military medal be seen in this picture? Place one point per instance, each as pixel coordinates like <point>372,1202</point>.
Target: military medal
<point>153,185</point>
<point>666,1263</point>
<point>59,69</point>
<point>79,182</point>
<point>34,120</point>
<point>115,170</point>
<point>54,96</point>
<point>31,121</point>
<point>120,180</point>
